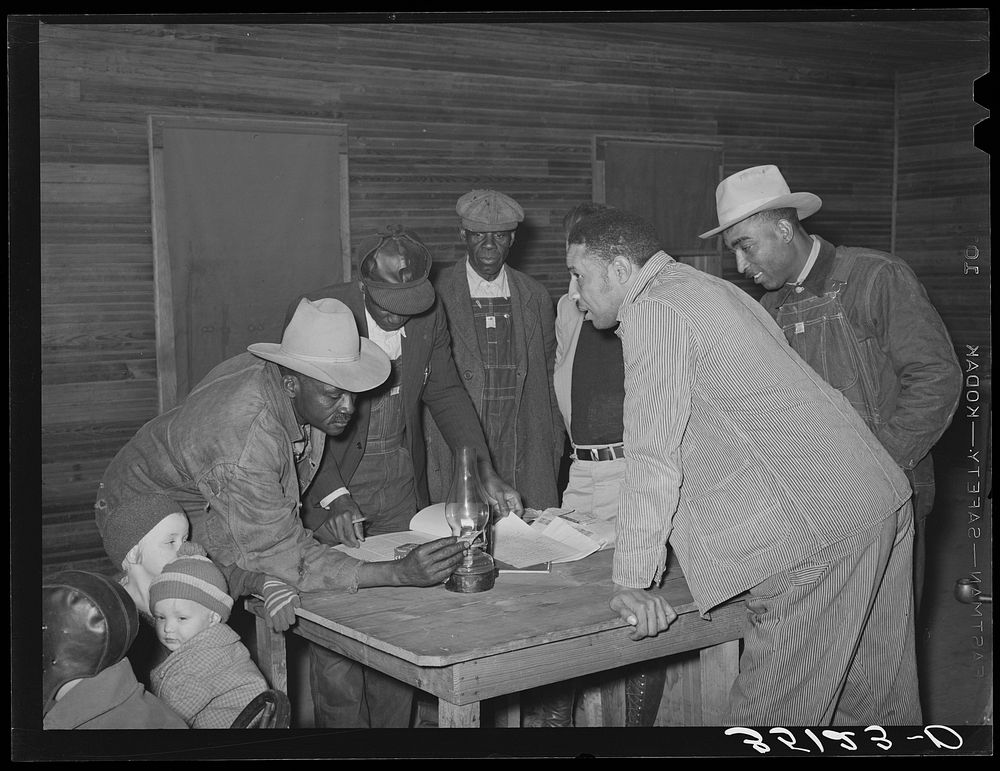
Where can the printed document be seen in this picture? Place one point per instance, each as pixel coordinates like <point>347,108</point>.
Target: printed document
<point>551,537</point>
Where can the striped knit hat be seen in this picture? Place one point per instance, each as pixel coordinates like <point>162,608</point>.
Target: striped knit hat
<point>192,576</point>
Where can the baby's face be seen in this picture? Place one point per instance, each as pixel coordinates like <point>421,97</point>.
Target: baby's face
<point>159,546</point>
<point>177,621</point>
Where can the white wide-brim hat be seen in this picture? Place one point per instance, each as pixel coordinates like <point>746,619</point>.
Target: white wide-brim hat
<point>322,342</point>
<point>754,190</point>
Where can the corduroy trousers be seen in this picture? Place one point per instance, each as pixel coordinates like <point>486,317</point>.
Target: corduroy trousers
<point>831,641</point>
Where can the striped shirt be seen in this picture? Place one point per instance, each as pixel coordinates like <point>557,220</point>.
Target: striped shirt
<point>737,452</point>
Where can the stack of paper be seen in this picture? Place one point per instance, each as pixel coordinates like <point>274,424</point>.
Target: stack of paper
<point>552,537</point>
<point>565,524</point>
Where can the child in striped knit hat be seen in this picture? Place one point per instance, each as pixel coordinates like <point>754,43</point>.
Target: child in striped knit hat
<point>208,678</point>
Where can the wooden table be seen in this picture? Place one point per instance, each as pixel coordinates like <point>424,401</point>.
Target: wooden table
<point>529,630</point>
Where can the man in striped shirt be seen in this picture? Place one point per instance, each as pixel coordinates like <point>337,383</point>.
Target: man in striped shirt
<point>763,479</point>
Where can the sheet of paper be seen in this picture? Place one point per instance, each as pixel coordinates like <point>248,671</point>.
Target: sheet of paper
<point>430,519</point>
<point>517,544</point>
<point>601,531</point>
<point>378,548</point>
<point>560,530</point>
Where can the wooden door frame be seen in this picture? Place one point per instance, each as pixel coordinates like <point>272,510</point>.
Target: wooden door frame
<point>713,253</point>
<point>674,140</point>
<point>166,353</point>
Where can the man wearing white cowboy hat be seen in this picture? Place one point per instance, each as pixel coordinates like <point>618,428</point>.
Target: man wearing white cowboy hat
<point>375,471</point>
<point>238,450</point>
<point>859,317</point>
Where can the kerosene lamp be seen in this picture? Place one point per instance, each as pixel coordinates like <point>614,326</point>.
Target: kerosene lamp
<point>468,515</point>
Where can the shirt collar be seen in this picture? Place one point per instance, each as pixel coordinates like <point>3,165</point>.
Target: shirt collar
<point>481,287</point>
<point>389,341</point>
<point>300,445</point>
<point>647,273</point>
<point>810,261</point>
<point>815,282</point>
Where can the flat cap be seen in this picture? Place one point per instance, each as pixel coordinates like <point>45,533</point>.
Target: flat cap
<point>488,211</point>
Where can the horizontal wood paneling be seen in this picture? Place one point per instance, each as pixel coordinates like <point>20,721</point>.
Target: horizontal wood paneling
<point>942,211</point>
<point>432,111</point>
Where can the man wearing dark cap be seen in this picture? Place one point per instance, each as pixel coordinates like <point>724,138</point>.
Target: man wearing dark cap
<point>502,325</point>
<point>372,479</point>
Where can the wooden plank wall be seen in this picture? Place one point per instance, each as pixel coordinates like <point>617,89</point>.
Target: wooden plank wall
<point>943,231</point>
<point>942,208</point>
<point>433,111</point>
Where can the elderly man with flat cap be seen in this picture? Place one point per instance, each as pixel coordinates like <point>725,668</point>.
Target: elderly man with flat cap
<point>373,479</point>
<point>502,325</point>
<point>858,316</point>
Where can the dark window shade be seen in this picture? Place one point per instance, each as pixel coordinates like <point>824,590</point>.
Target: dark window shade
<point>671,186</point>
<point>253,217</point>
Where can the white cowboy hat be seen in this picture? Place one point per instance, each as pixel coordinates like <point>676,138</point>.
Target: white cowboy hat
<point>322,342</point>
<point>755,190</point>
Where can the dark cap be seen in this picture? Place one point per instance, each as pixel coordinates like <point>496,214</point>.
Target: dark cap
<point>395,266</point>
<point>88,624</point>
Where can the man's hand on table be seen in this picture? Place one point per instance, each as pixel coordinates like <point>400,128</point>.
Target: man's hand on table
<point>503,498</point>
<point>430,563</point>
<point>649,613</point>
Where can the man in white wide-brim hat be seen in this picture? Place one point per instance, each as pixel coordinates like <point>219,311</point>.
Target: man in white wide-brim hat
<point>859,317</point>
<point>246,441</point>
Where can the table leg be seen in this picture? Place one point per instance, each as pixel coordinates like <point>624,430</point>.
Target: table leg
<point>613,702</point>
<point>508,711</point>
<point>272,659</point>
<point>680,704</point>
<point>588,708</point>
<point>455,716</point>
<point>720,664</point>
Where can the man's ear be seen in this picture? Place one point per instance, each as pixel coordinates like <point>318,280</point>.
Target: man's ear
<point>291,384</point>
<point>213,618</point>
<point>786,230</point>
<point>621,268</point>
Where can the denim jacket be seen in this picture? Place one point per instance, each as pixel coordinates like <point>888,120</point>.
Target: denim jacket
<point>226,456</point>
<point>864,322</point>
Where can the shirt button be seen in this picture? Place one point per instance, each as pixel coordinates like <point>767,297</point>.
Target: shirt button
<point>468,375</point>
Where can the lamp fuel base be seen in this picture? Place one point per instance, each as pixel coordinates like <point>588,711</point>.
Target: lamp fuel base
<point>476,579</point>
